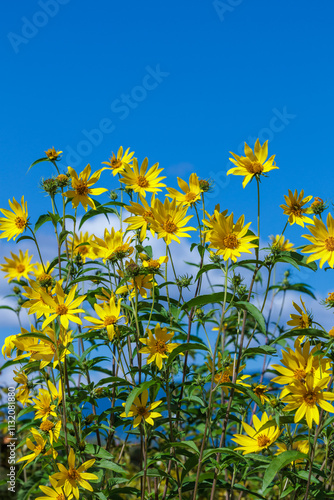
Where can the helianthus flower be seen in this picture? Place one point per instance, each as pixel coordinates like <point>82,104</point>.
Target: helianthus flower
<point>229,239</point>
<point>294,208</point>
<point>62,306</point>
<point>36,449</point>
<point>306,396</point>
<point>53,494</point>
<point>74,477</point>
<point>118,163</point>
<point>155,264</point>
<point>142,217</point>
<point>8,346</point>
<point>52,429</point>
<point>256,440</point>
<point>43,278</point>
<point>82,187</point>
<point>18,267</point>
<point>22,391</point>
<point>141,411</point>
<point>113,247</point>
<point>279,243</point>
<point>25,346</point>
<point>36,303</point>
<point>14,223</point>
<point>224,372</point>
<point>169,221</point>
<point>191,193</point>
<point>254,163</point>
<point>52,154</point>
<point>142,180</point>
<point>302,445</point>
<point>43,405</point>
<point>140,283</point>
<point>322,242</point>
<point>109,315</point>
<point>45,351</point>
<point>82,246</point>
<point>301,320</point>
<point>158,346</point>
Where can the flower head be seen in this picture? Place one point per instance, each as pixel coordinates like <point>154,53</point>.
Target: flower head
<point>53,494</point>
<point>142,216</point>
<point>254,163</point>
<point>256,439</point>
<point>109,315</point>
<point>82,245</point>
<point>82,187</point>
<point>117,163</point>
<point>170,220</point>
<point>113,247</point>
<point>36,449</point>
<point>302,319</point>
<point>141,180</point>
<point>18,267</point>
<point>191,194</point>
<point>294,208</point>
<point>157,345</point>
<point>15,222</point>
<point>322,242</point>
<point>22,391</point>
<point>52,154</point>
<point>279,243</point>
<point>141,410</point>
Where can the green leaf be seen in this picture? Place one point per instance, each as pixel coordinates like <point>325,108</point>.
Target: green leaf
<point>212,298</point>
<point>257,315</point>
<point>63,235</point>
<point>206,268</point>
<point>136,392</point>
<point>7,307</point>
<point>278,463</point>
<point>24,238</point>
<point>108,464</point>
<point>299,332</point>
<point>41,220</point>
<point>37,161</point>
<point>183,348</point>
<point>265,349</point>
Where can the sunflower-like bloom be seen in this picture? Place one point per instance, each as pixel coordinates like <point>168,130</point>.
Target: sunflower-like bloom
<point>256,439</point>
<point>25,346</point>
<point>82,187</point>
<point>211,219</point>
<point>22,391</point>
<point>46,352</point>
<point>191,193</point>
<point>298,363</point>
<point>18,267</point>
<point>170,220</point>
<point>15,222</point>
<point>141,180</point>
<point>306,396</point>
<point>157,345</point>
<point>8,346</point>
<point>74,477</point>
<point>141,410</point>
<point>113,247</point>
<point>322,242</point>
<point>109,314</point>
<point>118,163</point>
<point>36,449</point>
<point>137,284</point>
<point>302,445</point>
<point>52,154</point>
<point>302,319</point>
<point>155,264</point>
<point>52,429</point>
<point>63,306</point>
<point>143,216</point>
<point>82,246</point>
<point>294,208</point>
<point>260,391</point>
<point>43,405</point>
<point>53,494</point>
<point>253,164</point>
<point>229,239</point>
<point>36,303</point>
<point>43,278</point>
<point>224,372</point>
<point>279,243</point>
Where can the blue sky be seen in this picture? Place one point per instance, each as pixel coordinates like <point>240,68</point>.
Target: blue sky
<point>182,83</point>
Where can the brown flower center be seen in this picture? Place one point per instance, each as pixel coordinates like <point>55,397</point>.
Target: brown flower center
<point>142,181</point>
<point>263,440</point>
<point>310,398</point>
<point>190,197</point>
<point>115,163</point>
<point>296,210</point>
<point>222,378</point>
<point>20,268</point>
<point>61,309</point>
<point>73,474</point>
<point>142,411</point>
<point>83,250</point>
<point>46,425</point>
<point>60,497</point>
<point>147,215</point>
<point>259,391</point>
<point>329,244</point>
<point>109,320</point>
<point>82,189</point>
<point>255,167</point>
<point>20,222</point>
<point>299,374</point>
<point>160,346</point>
<point>231,241</point>
<point>169,226</point>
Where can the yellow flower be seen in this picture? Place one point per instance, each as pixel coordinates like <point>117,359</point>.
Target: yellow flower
<point>256,440</point>
<point>322,242</point>
<point>74,477</point>
<point>142,217</point>
<point>25,346</point>
<point>43,405</point>
<point>55,493</point>
<point>44,279</point>
<point>229,239</point>
<point>306,396</point>
<point>82,187</point>
<point>301,320</point>
<point>260,390</point>
<point>294,208</point>
<point>158,346</point>
<point>140,283</point>
<point>224,372</point>
<point>279,243</point>
<point>141,411</point>
<point>22,391</point>
<point>62,306</point>
<point>112,247</point>
<point>51,428</point>
<point>301,445</point>
<point>254,163</point>
<point>331,332</point>
<point>18,267</point>
<point>109,316</point>
<point>52,154</point>
<point>14,223</point>
<point>155,264</point>
<point>8,346</point>
<point>36,449</point>
<point>36,304</point>
<point>142,180</point>
<point>191,194</point>
<point>45,351</point>
<point>117,163</point>
<point>82,246</point>
<point>169,221</point>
